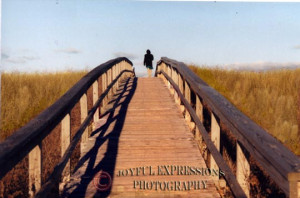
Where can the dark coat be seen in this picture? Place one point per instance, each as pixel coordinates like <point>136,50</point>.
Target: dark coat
<point>148,60</point>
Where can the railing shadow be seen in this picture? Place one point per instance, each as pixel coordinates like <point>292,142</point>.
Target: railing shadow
<point>108,162</point>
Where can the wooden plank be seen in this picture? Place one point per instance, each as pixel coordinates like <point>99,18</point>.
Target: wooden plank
<point>35,170</point>
<point>229,176</point>
<point>260,144</point>
<point>95,98</point>
<point>104,86</point>
<point>215,137</point>
<point>21,142</point>
<point>140,145</point>
<point>242,169</point>
<point>294,184</point>
<point>83,115</point>
<point>65,142</point>
<point>54,178</point>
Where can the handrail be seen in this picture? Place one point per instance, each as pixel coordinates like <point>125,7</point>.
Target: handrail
<point>20,143</point>
<point>229,176</point>
<point>273,156</point>
<point>55,176</point>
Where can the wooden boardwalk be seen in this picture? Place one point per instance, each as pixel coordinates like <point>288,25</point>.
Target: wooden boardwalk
<point>143,128</point>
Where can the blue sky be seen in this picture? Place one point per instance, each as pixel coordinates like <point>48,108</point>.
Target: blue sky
<point>51,35</point>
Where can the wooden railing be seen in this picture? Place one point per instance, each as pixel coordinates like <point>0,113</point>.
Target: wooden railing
<point>27,140</point>
<point>193,94</point>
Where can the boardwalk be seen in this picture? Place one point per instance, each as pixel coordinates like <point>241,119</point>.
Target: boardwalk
<point>142,145</point>
<point>144,128</point>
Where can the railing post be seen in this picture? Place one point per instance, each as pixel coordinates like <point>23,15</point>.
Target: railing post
<point>65,142</point>
<point>104,87</point>
<point>294,184</point>
<point>114,77</point>
<point>108,82</point>
<point>127,68</point>
<point>215,137</point>
<point>95,98</point>
<point>177,99</point>
<point>172,77</point>
<point>159,69</point>
<point>118,72</point>
<point>35,170</point>
<point>180,85</point>
<point>242,169</point>
<point>169,74</point>
<point>199,113</point>
<point>187,95</point>
<point>83,115</point>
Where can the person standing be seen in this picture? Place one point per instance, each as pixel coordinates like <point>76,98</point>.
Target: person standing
<point>148,62</point>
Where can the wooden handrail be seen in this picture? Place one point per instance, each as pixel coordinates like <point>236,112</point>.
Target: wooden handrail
<point>54,178</point>
<point>229,176</point>
<point>20,143</point>
<point>273,156</point>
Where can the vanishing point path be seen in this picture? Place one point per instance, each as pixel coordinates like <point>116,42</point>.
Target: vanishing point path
<point>145,146</point>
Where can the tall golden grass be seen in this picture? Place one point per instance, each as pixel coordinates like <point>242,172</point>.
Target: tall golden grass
<point>24,95</point>
<point>269,98</point>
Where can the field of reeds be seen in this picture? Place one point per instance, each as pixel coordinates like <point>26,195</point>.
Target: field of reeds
<point>23,96</point>
<point>270,98</point>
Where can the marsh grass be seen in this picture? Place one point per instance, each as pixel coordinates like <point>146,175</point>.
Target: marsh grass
<point>269,98</point>
<point>24,95</point>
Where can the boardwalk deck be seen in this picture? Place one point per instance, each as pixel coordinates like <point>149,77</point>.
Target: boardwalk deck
<point>143,128</point>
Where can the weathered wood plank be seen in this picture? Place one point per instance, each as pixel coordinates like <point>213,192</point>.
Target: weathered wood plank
<point>135,136</point>
<point>260,144</point>
<point>21,142</point>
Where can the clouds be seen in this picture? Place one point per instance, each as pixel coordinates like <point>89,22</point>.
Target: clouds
<point>130,56</point>
<point>68,50</point>
<point>4,56</point>
<point>18,59</point>
<point>262,66</point>
<point>18,56</point>
<point>296,47</point>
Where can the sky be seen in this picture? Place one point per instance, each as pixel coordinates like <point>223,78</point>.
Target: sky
<point>56,35</point>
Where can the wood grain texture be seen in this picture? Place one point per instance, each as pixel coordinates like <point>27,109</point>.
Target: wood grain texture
<point>20,143</point>
<point>229,176</point>
<point>273,156</point>
<point>144,127</point>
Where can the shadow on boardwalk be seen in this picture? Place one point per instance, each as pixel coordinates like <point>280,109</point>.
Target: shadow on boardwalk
<point>108,162</point>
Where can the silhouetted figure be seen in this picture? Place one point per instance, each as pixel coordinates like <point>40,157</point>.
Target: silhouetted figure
<point>148,62</point>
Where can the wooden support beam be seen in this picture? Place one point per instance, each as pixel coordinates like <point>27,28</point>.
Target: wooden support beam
<point>187,95</point>
<point>95,98</point>
<point>294,184</point>
<point>123,68</point>
<point>109,80</point>
<point>35,170</point>
<point>180,84</point>
<point>83,115</point>
<point>113,77</point>
<point>169,74</point>
<point>117,73</point>
<point>242,170</point>
<point>164,67</point>
<point>159,67</point>
<point>65,142</point>
<point>215,137</point>
<point>176,97</point>
<point>199,113</point>
<point>104,87</point>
